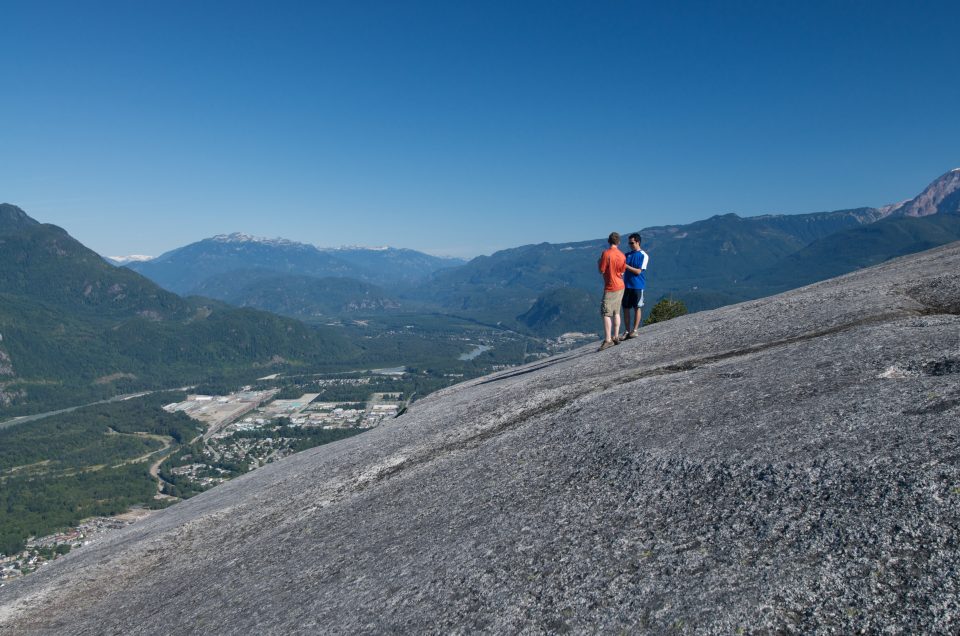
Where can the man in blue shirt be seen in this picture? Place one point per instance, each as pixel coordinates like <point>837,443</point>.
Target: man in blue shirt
<point>635,280</point>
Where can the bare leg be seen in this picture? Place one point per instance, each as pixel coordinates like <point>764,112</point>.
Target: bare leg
<point>616,324</point>
<point>606,328</point>
<point>636,320</point>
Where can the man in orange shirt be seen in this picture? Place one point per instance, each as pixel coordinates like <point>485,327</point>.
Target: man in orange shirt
<point>612,264</point>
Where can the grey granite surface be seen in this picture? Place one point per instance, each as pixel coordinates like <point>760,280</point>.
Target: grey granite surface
<point>786,465</point>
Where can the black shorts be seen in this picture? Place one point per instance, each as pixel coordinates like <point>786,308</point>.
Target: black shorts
<point>632,298</point>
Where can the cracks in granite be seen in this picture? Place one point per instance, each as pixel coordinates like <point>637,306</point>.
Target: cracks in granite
<point>535,366</point>
<point>934,300</point>
<point>695,363</point>
<point>400,462</point>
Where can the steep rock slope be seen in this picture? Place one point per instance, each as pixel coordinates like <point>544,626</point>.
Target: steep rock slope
<point>940,197</point>
<point>786,464</point>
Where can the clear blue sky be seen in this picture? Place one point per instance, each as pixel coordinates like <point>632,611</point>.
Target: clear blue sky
<point>461,127</point>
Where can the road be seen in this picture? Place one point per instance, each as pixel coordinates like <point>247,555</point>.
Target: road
<point>155,473</point>
<point>117,398</point>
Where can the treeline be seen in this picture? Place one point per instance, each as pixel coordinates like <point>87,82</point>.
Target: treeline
<point>35,506</point>
<point>89,436</point>
<point>63,357</point>
<point>71,466</point>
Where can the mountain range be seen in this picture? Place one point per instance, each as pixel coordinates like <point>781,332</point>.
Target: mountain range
<point>288,277</point>
<point>707,264</point>
<point>549,288</point>
<point>74,328</point>
<point>186,270</point>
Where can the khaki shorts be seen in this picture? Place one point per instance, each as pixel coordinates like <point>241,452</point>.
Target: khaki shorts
<point>611,303</point>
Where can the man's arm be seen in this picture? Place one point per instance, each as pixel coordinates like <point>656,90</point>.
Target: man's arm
<point>639,270</point>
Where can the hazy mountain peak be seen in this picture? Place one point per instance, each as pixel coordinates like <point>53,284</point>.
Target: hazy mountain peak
<point>185,269</point>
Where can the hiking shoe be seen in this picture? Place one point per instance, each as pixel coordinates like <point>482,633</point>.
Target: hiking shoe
<point>631,334</point>
<point>606,345</point>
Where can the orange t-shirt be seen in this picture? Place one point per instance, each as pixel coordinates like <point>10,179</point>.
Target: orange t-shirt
<point>612,265</point>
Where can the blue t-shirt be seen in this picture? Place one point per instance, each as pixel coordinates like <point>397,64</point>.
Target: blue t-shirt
<point>638,259</point>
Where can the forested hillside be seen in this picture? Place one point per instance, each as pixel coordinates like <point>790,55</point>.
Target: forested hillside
<point>56,471</point>
<point>296,295</point>
<point>73,328</point>
<point>547,289</point>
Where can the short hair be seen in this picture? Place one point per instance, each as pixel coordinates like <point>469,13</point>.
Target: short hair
<point>614,238</point>
<point>635,237</point>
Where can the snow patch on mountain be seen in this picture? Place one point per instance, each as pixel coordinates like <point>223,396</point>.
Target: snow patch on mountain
<point>131,258</point>
<point>375,248</point>
<point>239,237</point>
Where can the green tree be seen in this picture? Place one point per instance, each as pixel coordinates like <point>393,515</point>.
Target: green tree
<point>666,309</point>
